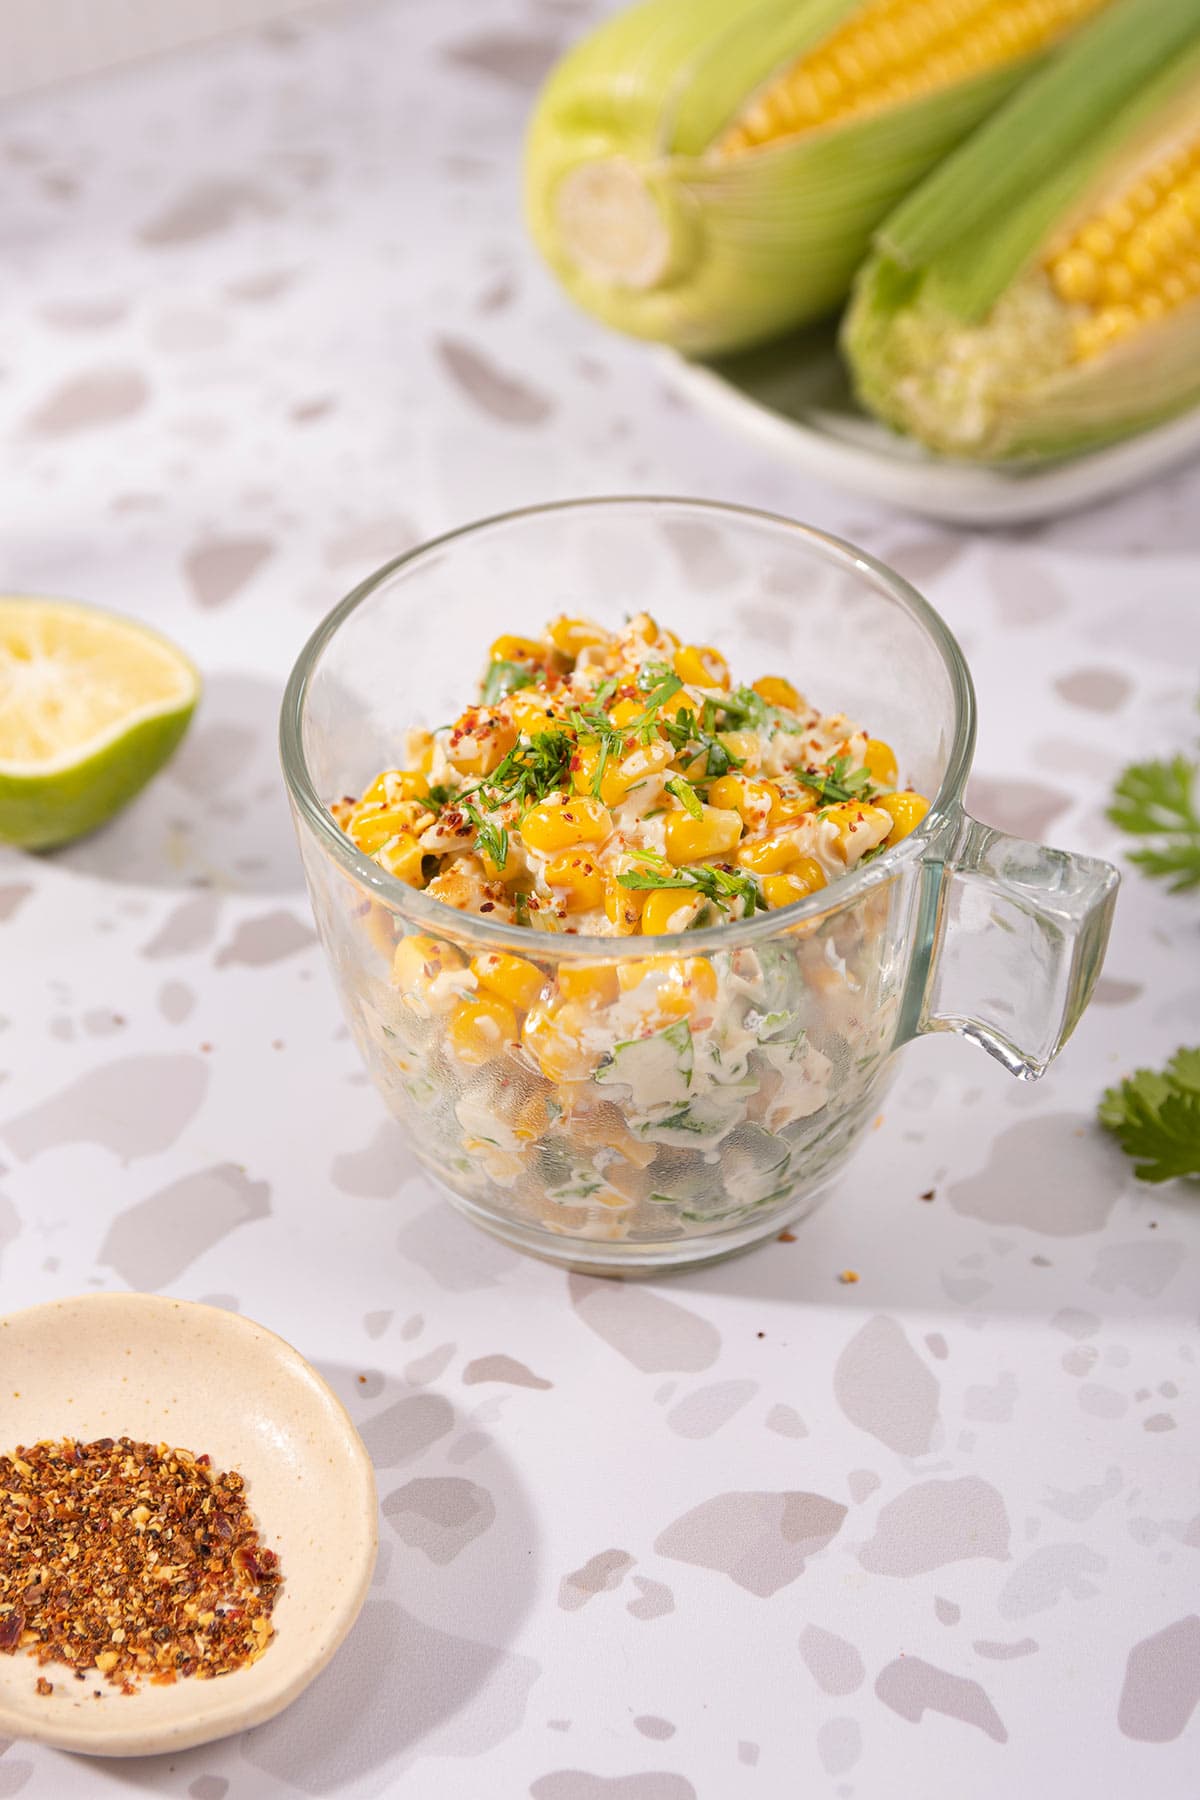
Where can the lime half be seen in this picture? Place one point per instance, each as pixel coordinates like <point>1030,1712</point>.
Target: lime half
<point>91,706</point>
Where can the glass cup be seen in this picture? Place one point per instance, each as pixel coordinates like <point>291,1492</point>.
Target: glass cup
<point>765,1044</point>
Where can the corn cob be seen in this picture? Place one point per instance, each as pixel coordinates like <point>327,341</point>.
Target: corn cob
<point>709,176</point>
<point>1040,293</point>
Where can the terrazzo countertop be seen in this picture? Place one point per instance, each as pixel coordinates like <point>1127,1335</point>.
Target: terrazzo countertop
<point>268,318</point>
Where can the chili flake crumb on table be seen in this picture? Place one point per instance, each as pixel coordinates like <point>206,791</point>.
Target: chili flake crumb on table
<point>139,1560</point>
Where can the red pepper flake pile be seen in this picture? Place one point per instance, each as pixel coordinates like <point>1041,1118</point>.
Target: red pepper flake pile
<point>139,1560</point>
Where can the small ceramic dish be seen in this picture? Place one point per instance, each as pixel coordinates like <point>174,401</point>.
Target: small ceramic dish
<point>155,1369</point>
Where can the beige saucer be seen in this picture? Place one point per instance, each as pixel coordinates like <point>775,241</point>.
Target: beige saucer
<point>139,1366</point>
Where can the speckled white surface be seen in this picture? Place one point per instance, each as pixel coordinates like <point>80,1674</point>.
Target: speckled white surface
<point>268,317</point>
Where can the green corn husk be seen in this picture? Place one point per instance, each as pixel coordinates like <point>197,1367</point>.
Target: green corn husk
<point>650,226</point>
<point>955,334</point>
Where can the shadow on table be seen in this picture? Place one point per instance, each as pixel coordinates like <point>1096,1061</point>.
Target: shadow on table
<point>457,1551</point>
<point>1049,1218</point>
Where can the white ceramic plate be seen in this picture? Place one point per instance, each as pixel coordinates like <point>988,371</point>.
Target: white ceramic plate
<point>794,395</point>
<point>140,1366</point>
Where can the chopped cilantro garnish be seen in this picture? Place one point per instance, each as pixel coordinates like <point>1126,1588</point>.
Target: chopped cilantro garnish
<point>533,768</point>
<point>686,795</point>
<point>438,796</point>
<point>593,725</point>
<point>505,678</point>
<point>718,760</point>
<point>747,711</point>
<point>841,783</point>
<point>490,837</point>
<point>601,766</point>
<point>681,729</point>
<point>721,885</point>
<point>658,684</point>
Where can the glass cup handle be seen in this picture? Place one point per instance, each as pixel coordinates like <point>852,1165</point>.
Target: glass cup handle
<point>1018,939</point>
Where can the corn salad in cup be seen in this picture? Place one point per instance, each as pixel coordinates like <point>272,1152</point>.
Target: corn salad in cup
<point>618,784</point>
<point>629,949</point>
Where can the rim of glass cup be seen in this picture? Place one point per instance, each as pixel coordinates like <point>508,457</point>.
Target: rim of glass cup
<point>435,916</point>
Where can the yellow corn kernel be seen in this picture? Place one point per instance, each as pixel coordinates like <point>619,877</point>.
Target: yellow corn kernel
<point>745,747</point>
<point>481,1028</point>
<point>570,636</point>
<point>882,55</point>
<point>553,1034</point>
<point>859,824</point>
<point>784,889</point>
<point>755,803</point>
<point>562,820</point>
<point>592,984</point>
<point>1130,261</point>
<point>622,906</point>
<point>714,833</point>
<point>380,926</point>
<point>625,711</point>
<point>418,955</point>
<point>480,740</point>
<point>420,747</point>
<point>790,801</point>
<point>809,870</point>
<point>879,760</point>
<point>418,964</point>
<point>674,705</point>
<point>701,666</point>
<point>668,909</point>
<point>751,799</point>
<point>516,650</point>
<point>726,791</point>
<point>584,764</point>
<point>532,1119</point>
<point>644,626</point>
<point>768,856</point>
<point>906,810</point>
<point>643,762</point>
<point>682,986</point>
<point>693,974</point>
<point>511,868</point>
<point>371,829</point>
<point>776,690</point>
<point>576,881</point>
<point>530,714</point>
<point>394,785</point>
<point>403,857</point>
<point>515,980</point>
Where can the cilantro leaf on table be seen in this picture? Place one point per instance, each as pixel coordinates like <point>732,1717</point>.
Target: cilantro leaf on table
<point>1155,1117</point>
<point>1154,801</point>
